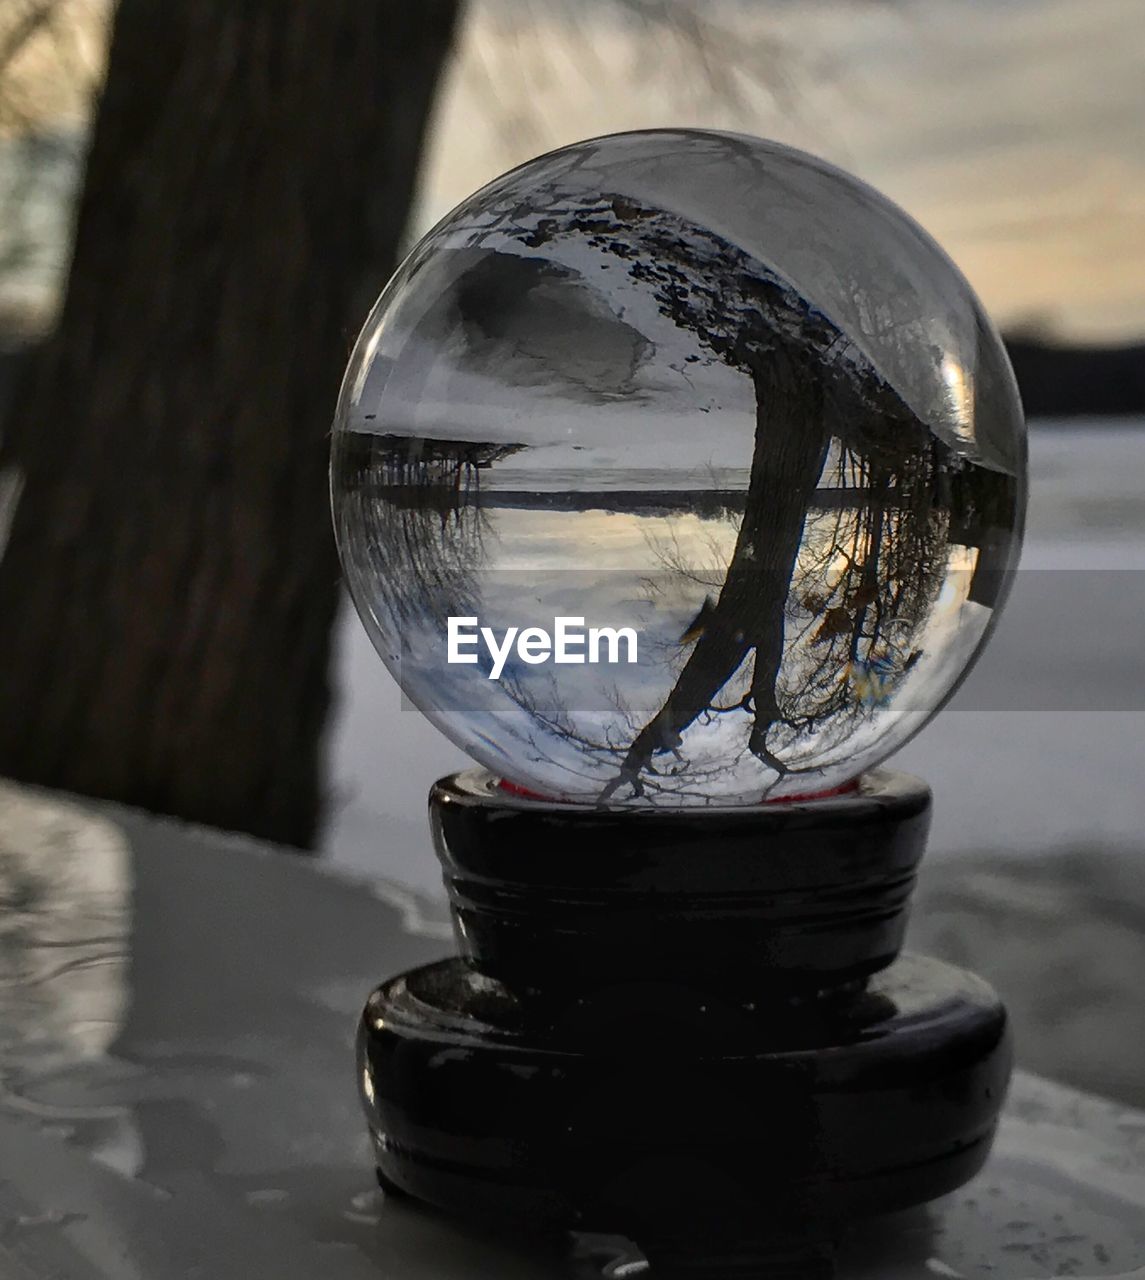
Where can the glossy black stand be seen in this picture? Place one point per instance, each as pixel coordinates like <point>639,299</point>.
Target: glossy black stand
<point>689,1028</point>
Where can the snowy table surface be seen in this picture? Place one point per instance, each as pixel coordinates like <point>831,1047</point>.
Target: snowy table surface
<point>177,1011</point>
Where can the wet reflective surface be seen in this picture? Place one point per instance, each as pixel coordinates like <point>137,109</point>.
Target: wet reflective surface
<point>176,1096</point>
<point>707,389</point>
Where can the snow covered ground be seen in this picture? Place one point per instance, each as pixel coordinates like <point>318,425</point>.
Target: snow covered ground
<point>1042,751</point>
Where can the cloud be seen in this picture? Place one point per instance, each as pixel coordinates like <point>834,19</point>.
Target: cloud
<point>536,322</point>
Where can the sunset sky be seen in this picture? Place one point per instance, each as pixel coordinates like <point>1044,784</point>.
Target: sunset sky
<point>1014,130</point>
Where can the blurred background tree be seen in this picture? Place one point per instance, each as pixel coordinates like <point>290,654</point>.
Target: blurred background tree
<point>169,585</point>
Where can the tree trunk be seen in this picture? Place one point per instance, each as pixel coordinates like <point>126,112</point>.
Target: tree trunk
<point>170,584</point>
<point>789,451</point>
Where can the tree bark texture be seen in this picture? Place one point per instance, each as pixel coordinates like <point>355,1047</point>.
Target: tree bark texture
<point>170,584</point>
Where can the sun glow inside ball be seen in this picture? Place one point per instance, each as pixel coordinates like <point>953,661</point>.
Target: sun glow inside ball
<point>678,468</point>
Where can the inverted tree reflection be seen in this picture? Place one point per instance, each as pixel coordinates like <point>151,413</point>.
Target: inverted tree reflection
<point>852,515</point>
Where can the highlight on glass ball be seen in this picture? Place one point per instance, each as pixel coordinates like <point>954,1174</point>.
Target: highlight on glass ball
<point>678,468</point>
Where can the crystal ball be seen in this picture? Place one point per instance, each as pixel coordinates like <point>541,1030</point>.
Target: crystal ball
<point>678,468</point>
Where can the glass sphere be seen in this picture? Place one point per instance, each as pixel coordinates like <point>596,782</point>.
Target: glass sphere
<point>678,467</point>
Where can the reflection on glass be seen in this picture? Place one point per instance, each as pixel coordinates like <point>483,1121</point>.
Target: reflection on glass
<point>701,386</point>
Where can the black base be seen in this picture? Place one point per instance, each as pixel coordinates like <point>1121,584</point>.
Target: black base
<point>738,1108</point>
<point>724,1131</point>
